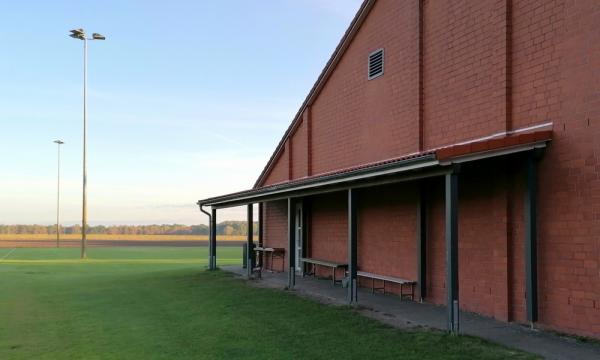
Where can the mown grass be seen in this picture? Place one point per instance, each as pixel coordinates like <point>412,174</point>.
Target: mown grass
<point>15,237</point>
<point>199,255</point>
<point>63,308</point>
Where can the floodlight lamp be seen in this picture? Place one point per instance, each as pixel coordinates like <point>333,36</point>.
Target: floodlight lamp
<point>78,34</point>
<point>97,36</point>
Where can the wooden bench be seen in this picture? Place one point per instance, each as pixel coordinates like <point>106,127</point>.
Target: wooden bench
<point>276,253</point>
<point>390,279</point>
<point>316,262</point>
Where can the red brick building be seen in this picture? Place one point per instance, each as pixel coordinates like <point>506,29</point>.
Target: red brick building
<point>454,143</point>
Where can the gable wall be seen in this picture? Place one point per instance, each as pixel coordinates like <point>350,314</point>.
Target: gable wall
<point>281,169</point>
<point>355,120</point>
<point>299,152</point>
<point>487,67</point>
<point>535,80</point>
<point>551,76</point>
<point>464,63</point>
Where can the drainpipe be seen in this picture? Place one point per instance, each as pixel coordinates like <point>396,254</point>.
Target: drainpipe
<point>210,260</point>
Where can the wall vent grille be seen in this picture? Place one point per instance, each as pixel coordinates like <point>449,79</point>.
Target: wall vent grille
<point>375,64</point>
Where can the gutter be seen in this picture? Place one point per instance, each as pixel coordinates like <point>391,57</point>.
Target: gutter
<point>494,153</point>
<point>204,211</point>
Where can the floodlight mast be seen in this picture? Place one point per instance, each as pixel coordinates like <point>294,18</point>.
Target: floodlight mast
<point>80,34</point>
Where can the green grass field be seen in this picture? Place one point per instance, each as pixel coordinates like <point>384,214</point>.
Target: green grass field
<point>17,237</point>
<point>160,303</point>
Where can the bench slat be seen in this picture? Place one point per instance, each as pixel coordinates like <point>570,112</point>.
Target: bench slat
<point>385,278</point>
<point>323,262</point>
<point>269,249</point>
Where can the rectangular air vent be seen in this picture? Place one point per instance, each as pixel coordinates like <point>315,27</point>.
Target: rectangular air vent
<point>375,64</point>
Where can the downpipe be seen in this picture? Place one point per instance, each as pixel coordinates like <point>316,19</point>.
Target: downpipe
<point>211,259</point>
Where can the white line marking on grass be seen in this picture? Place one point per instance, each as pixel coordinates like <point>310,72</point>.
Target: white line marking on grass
<point>8,254</point>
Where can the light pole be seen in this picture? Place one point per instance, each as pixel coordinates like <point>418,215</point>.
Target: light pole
<point>80,34</point>
<point>59,143</point>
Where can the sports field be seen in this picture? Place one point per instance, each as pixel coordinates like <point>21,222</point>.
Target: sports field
<point>52,237</point>
<point>160,303</point>
<point>74,240</point>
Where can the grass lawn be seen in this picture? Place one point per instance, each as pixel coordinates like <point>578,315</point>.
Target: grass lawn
<point>159,303</point>
<point>17,237</point>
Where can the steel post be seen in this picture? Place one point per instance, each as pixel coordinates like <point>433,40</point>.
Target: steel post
<point>352,247</point>
<point>452,251</point>
<point>291,243</point>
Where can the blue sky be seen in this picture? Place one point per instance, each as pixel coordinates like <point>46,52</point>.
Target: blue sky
<point>187,99</point>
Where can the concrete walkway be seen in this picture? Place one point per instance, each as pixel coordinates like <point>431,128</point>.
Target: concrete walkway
<point>404,314</point>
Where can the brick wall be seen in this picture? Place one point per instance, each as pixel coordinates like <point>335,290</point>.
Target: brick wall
<point>483,254</point>
<point>281,168</point>
<point>536,89</point>
<point>436,248</point>
<point>570,175</point>
<point>275,230</point>
<point>299,163</point>
<point>387,231</point>
<point>516,241</point>
<point>462,88</point>
<point>487,258</point>
<point>488,66</point>
<point>356,121</point>
<point>329,229</point>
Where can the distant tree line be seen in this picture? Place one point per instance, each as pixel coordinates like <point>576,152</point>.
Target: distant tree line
<point>223,228</point>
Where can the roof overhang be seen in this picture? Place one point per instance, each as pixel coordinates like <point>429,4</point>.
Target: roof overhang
<point>493,153</point>
<point>409,168</point>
